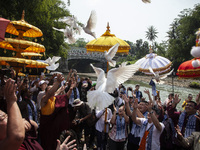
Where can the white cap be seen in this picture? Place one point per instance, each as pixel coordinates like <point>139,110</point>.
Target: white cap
<point>43,81</point>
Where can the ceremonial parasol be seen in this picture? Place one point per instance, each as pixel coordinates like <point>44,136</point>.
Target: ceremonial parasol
<point>186,70</point>
<point>3,25</point>
<point>30,54</point>
<point>105,42</point>
<point>20,62</point>
<point>22,28</point>
<point>20,45</point>
<point>159,64</point>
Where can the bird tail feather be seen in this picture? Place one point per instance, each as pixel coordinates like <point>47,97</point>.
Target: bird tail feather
<point>112,63</point>
<point>99,100</point>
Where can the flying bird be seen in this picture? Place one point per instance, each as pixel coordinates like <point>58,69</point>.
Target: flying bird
<point>100,98</point>
<point>91,24</point>
<point>146,1</point>
<point>52,63</point>
<point>158,77</point>
<point>69,34</point>
<point>110,54</point>
<point>73,23</point>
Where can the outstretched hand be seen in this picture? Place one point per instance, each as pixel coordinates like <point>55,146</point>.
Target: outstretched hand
<point>66,145</point>
<point>125,98</point>
<point>146,91</point>
<point>60,78</point>
<point>176,99</point>
<point>135,104</point>
<point>9,91</point>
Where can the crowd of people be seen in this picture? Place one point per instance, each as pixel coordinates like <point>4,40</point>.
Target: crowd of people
<point>52,113</point>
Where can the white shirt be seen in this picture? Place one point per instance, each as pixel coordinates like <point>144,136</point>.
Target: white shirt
<point>100,123</point>
<point>155,145</point>
<point>39,98</point>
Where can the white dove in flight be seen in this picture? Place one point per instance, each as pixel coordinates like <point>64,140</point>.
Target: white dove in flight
<point>110,54</point>
<point>146,1</point>
<point>52,63</point>
<point>91,24</point>
<point>69,34</point>
<point>157,77</point>
<point>100,98</point>
<point>72,22</point>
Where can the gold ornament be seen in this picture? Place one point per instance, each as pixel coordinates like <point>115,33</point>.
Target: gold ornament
<point>35,40</point>
<point>13,53</point>
<point>42,39</point>
<point>4,51</point>
<point>30,70</point>
<point>48,71</point>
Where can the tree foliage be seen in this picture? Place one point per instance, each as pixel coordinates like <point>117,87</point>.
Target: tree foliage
<point>141,48</point>
<point>182,35</point>
<point>151,34</point>
<point>43,14</point>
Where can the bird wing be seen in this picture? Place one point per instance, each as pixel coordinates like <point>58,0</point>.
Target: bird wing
<point>165,75</point>
<point>55,59</point>
<point>112,51</point>
<point>100,76</point>
<point>119,75</point>
<point>151,70</point>
<point>70,35</point>
<point>91,23</point>
<point>69,20</point>
<point>53,66</point>
<point>60,30</point>
<point>48,61</point>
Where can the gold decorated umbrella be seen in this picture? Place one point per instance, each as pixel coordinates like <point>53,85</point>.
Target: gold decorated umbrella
<point>22,28</point>
<point>30,54</point>
<point>106,41</point>
<point>20,45</point>
<point>20,62</point>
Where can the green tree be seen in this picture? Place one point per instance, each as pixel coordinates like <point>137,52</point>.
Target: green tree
<point>44,15</point>
<point>183,35</point>
<point>151,34</point>
<point>131,51</point>
<point>141,48</point>
<point>161,49</point>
